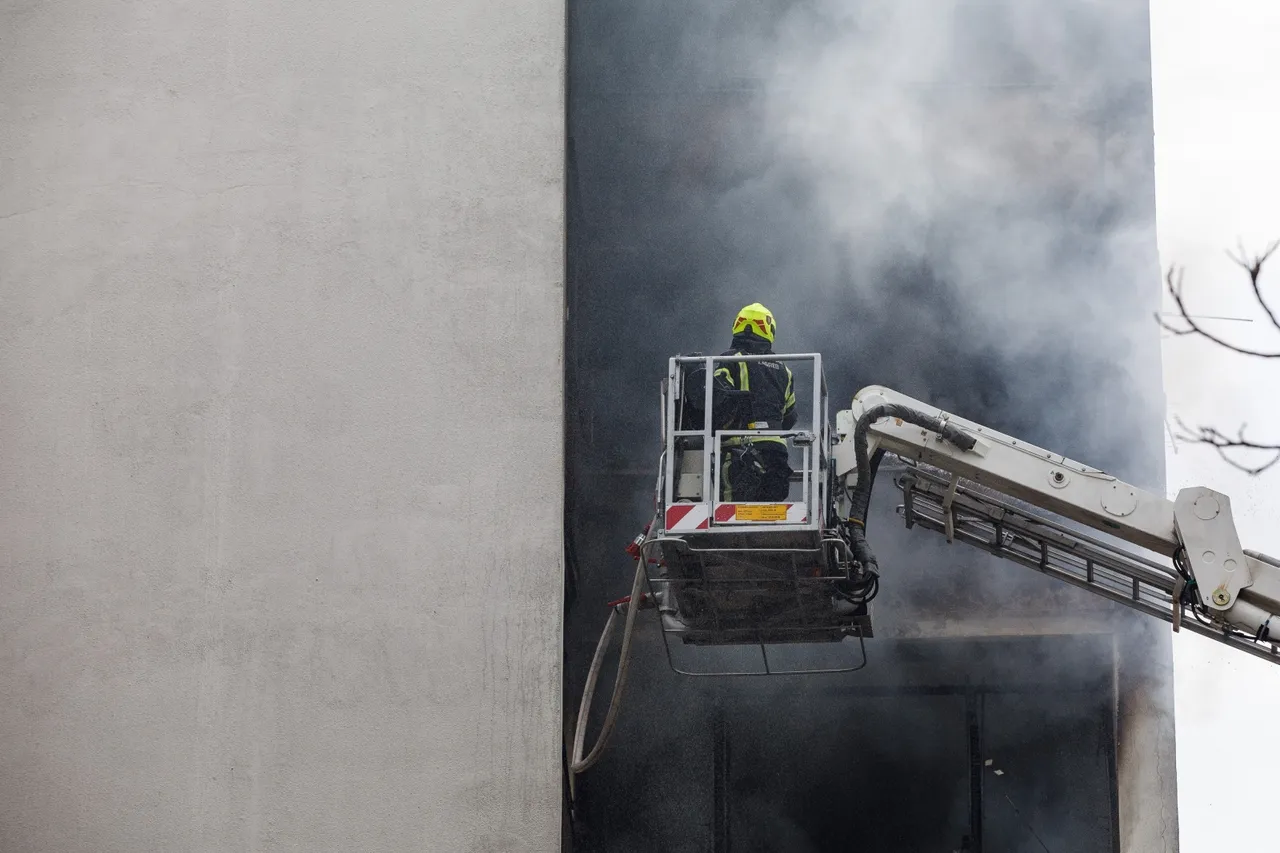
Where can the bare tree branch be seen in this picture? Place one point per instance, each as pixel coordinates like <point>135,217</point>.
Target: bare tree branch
<point>1253,266</point>
<point>1226,445</point>
<point>1232,450</point>
<point>1173,282</point>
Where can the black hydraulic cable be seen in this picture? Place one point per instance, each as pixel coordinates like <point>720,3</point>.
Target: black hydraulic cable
<point>875,471</point>
<point>861,496</point>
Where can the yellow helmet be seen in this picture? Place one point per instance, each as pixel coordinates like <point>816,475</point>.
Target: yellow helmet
<point>758,319</point>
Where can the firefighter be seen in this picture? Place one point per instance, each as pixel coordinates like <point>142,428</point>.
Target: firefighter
<point>753,395</point>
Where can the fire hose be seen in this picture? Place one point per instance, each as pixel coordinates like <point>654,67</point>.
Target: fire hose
<point>578,762</point>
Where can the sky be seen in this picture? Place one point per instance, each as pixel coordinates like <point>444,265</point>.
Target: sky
<point>1217,133</point>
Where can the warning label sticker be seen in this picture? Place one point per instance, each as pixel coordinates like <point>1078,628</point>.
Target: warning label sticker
<point>761,512</point>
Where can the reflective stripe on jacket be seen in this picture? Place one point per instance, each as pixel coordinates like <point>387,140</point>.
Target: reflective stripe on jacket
<point>772,401</point>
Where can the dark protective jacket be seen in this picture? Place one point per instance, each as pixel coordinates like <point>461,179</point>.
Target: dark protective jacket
<point>746,395</point>
<point>771,401</point>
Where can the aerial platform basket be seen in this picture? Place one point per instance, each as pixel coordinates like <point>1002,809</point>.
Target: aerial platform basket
<point>755,575</point>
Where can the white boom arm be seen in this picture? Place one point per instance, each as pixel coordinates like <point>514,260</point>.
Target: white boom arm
<point>1233,593</point>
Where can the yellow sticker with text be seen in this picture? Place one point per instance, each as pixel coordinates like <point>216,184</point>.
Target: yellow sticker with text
<point>761,512</point>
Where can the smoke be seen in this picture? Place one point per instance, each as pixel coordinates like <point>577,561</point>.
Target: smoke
<point>953,176</point>
<point>954,199</point>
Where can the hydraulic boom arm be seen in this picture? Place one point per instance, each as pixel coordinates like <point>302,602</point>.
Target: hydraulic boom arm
<point>968,481</point>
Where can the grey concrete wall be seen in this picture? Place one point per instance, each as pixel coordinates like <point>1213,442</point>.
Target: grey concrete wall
<point>1146,739</point>
<point>280,425</point>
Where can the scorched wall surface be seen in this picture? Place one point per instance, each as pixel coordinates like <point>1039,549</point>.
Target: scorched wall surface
<point>953,198</point>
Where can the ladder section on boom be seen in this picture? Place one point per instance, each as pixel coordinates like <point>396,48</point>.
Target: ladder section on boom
<point>966,512</point>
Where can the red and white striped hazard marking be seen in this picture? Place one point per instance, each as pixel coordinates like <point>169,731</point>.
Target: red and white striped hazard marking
<point>797,513</point>
<point>688,517</point>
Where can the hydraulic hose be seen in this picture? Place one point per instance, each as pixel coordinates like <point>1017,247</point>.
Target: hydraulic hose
<point>578,763</point>
<point>860,498</point>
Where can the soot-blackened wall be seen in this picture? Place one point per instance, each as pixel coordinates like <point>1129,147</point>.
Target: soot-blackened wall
<point>954,199</point>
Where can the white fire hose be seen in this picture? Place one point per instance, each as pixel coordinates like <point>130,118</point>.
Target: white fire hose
<point>578,763</point>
